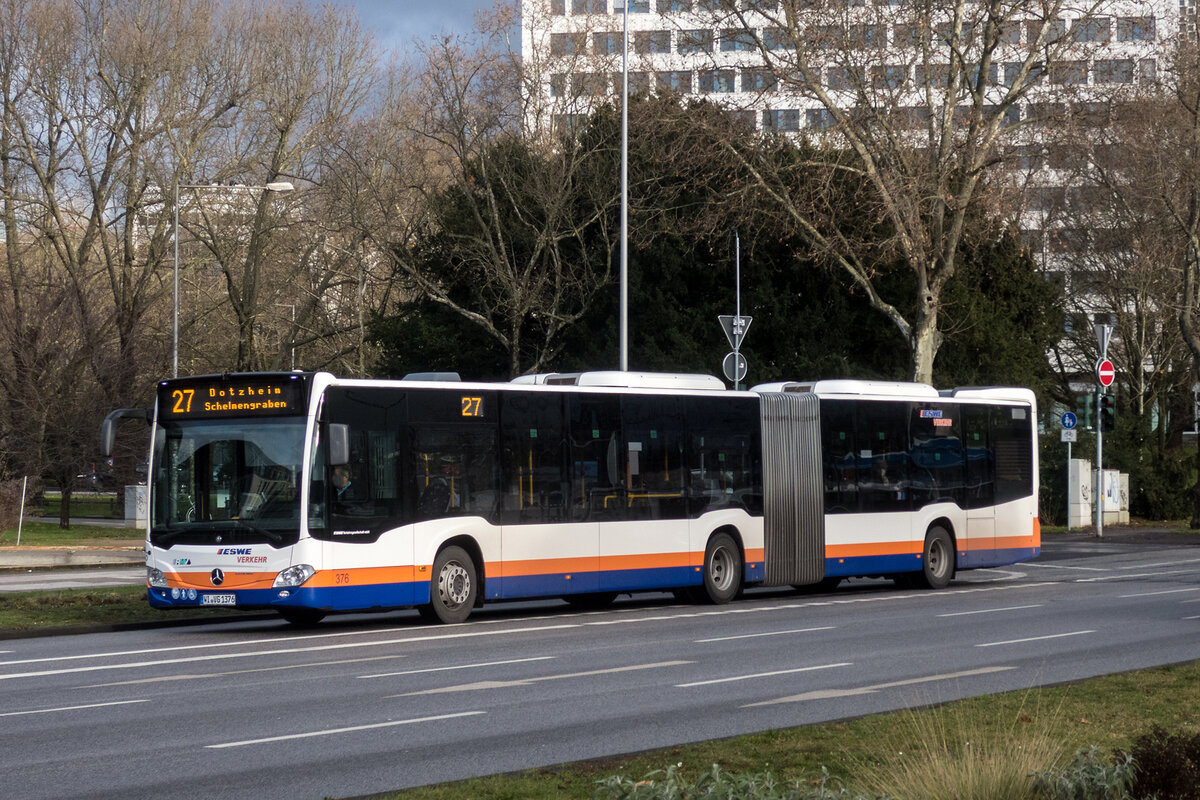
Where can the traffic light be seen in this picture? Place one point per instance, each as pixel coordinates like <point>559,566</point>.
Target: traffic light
<point>1085,406</point>
<point>1108,412</point>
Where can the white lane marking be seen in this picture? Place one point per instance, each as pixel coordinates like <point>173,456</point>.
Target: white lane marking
<point>460,666</point>
<point>990,610</point>
<point>71,708</point>
<point>1035,638</point>
<point>1064,566</point>
<point>768,633</point>
<point>480,685</point>
<point>826,694</point>
<point>196,676</point>
<point>1136,575</point>
<point>1196,617</point>
<point>1164,591</point>
<point>763,675</point>
<point>475,624</point>
<point>185,647</point>
<point>1163,564</point>
<point>264,653</point>
<point>351,729</point>
<point>474,629</point>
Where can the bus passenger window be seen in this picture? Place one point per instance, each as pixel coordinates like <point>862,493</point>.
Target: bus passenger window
<point>531,461</point>
<point>882,441</point>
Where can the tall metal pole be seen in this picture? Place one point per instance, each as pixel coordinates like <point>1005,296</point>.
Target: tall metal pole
<point>1103,331</point>
<point>625,189</point>
<point>1099,468</point>
<point>737,289</point>
<point>175,306</point>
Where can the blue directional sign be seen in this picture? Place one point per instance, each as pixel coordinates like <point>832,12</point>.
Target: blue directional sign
<point>1069,420</point>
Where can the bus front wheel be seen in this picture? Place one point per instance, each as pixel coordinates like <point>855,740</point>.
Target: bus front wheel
<point>301,617</point>
<point>938,560</point>
<point>453,589</point>
<point>722,570</point>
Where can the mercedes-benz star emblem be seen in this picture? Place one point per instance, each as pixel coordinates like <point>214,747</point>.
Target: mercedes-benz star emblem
<point>218,577</point>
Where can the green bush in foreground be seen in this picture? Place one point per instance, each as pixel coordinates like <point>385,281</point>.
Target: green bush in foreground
<point>716,784</point>
<point>1089,777</point>
<point>1168,765</point>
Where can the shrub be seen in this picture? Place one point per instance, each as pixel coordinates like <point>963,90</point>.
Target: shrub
<point>1090,777</point>
<point>716,784</point>
<point>1168,765</point>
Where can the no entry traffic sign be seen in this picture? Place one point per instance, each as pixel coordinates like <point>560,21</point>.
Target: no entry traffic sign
<point>1105,372</point>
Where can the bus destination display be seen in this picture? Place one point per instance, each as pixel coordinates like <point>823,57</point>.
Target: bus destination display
<point>232,396</point>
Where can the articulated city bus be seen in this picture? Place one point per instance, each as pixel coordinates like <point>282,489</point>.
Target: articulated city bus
<point>310,494</point>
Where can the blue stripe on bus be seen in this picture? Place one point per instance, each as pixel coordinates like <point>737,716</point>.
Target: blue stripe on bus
<point>911,562</point>
<point>997,558</point>
<point>352,598</point>
<point>335,598</point>
<point>872,565</point>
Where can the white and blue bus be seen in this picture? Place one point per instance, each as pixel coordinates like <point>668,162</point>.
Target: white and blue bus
<point>309,494</point>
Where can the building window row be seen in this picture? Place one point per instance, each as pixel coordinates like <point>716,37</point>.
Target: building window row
<point>560,7</point>
<point>1076,240</point>
<point>723,80</point>
<point>710,81</point>
<point>853,37</point>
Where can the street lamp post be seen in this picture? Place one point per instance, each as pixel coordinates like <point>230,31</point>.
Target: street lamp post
<point>274,186</point>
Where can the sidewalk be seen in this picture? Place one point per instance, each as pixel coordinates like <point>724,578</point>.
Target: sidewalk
<point>21,558</point>
<point>126,553</point>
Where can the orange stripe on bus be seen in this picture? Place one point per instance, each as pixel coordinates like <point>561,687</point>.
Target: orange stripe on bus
<point>872,549</point>
<point>362,576</point>
<point>540,566</point>
<point>651,561</point>
<point>232,580</point>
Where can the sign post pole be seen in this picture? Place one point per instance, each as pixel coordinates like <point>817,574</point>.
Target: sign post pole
<point>734,366</point>
<point>1099,493</point>
<point>1069,421</point>
<point>1105,375</point>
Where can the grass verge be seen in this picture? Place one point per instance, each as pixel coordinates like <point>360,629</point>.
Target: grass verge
<point>48,534</point>
<point>878,751</point>
<point>85,505</point>
<point>27,611</point>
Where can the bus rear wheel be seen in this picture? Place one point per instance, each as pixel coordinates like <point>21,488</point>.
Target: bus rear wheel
<point>938,560</point>
<point>722,570</point>
<point>454,587</point>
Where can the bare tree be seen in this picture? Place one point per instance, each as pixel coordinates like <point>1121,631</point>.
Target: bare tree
<point>920,97</point>
<point>310,76</point>
<point>519,222</point>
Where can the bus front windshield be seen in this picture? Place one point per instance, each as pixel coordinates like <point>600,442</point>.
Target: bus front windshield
<point>227,481</point>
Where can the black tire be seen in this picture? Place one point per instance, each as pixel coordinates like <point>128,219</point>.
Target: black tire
<point>821,586</point>
<point>722,570</point>
<point>937,561</point>
<point>454,587</point>
<point>590,600</point>
<point>301,617</point>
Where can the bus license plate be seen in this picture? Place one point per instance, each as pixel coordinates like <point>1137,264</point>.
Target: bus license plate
<point>218,600</point>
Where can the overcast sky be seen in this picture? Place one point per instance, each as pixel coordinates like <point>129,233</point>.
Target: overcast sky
<point>396,22</point>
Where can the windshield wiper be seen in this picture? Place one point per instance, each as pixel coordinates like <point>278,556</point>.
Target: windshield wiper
<point>174,530</point>
<point>162,537</point>
<point>242,525</point>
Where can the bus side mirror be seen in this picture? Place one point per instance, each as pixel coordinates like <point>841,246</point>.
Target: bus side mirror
<point>339,444</point>
<point>108,429</point>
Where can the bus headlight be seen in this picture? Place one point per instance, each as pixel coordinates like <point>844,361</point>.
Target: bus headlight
<point>294,576</point>
<point>155,578</point>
